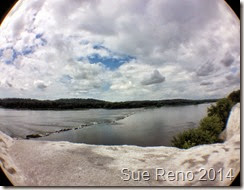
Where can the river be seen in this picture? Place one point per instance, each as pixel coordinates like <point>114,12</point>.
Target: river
<point>142,127</point>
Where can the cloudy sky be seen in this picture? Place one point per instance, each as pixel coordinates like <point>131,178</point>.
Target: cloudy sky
<point>119,50</point>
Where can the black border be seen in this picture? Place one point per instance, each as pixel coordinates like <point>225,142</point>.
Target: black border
<point>5,7</point>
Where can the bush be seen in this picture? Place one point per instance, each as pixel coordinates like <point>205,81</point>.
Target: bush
<point>234,96</point>
<point>207,133</point>
<point>221,110</point>
<point>223,107</point>
<point>211,126</point>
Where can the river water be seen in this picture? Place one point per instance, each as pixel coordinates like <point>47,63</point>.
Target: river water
<point>142,127</point>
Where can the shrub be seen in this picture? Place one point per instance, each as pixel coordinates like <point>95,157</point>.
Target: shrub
<point>234,96</point>
<point>221,110</point>
<point>206,133</point>
<point>211,126</point>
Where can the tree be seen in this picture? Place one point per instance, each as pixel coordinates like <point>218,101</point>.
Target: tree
<point>211,126</point>
<point>221,110</point>
<point>207,133</point>
<point>234,96</point>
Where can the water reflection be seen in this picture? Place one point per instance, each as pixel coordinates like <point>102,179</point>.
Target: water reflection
<point>143,127</point>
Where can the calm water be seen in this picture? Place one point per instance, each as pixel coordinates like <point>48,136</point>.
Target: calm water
<point>143,127</point>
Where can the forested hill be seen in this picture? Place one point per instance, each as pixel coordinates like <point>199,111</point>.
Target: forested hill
<point>63,104</point>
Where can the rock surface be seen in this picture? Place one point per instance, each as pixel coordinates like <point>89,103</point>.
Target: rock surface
<point>46,163</point>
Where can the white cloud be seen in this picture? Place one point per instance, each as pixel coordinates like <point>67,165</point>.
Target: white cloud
<point>228,60</point>
<point>40,84</point>
<point>153,78</point>
<point>7,55</point>
<point>119,50</point>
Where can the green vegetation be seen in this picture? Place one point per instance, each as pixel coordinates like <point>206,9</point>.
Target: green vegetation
<point>211,126</point>
<point>64,104</point>
<point>234,96</point>
<point>206,133</point>
<point>221,110</point>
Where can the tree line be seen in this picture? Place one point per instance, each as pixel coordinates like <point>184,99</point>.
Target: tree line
<point>64,104</point>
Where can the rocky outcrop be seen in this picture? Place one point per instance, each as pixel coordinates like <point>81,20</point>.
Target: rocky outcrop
<point>44,163</point>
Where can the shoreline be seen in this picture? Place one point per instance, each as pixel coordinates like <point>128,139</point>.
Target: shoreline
<point>86,104</point>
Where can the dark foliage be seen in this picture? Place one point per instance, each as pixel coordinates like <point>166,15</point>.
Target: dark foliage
<point>206,133</point>
<point>211,126</point>
<point>63,104</point>
<point>221,110</point>
<point>235,96</point>
<point>223,106</point>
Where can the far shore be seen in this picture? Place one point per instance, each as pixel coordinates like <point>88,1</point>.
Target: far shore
<point>83,104</point>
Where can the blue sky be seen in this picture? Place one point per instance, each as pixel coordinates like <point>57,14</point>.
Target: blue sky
<point>119,50</point>
<point>112,61</point>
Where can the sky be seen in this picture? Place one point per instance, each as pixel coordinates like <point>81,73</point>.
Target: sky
<point>119,50</point>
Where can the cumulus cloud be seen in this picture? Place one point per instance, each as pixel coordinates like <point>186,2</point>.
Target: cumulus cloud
<point>154,78</point>
<point>123,86</point>
<point>233,79</point>
<point>228,60</point>
<point>7,55</point>
<point>206,69</point>
<point>119,50</point>
<point>40,84</point>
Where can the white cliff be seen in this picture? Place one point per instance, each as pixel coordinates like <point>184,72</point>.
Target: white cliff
<point>45,163</point>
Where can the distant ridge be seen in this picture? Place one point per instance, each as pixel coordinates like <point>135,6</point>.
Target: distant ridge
<point>76,103</point>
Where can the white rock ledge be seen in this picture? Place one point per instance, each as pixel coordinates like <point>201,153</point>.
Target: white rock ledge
<point>47,163</point>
